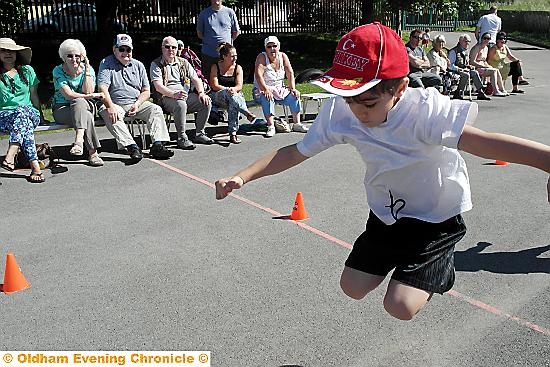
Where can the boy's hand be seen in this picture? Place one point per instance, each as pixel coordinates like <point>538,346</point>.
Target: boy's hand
<point>224,186</point>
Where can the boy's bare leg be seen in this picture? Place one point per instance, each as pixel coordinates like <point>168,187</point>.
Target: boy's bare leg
<point>356,284</point>
<point>404,301</point>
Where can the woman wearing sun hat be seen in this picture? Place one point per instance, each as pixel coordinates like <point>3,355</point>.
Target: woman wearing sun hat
<point>19,105</point>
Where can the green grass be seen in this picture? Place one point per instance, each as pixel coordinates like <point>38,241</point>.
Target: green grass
<point>526,5</point>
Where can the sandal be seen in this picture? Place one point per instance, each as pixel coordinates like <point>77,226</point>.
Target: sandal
<point>9,166</point>
<point>95,160</point>
<point>35,177</point>
<point>235,139</point>
<point>77,148</point>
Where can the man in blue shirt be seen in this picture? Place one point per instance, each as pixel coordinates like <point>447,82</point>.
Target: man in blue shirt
<point>216,24</point>
<point>125,86</point>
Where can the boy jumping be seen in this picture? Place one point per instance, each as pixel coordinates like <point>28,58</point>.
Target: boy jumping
<point>416,180</point>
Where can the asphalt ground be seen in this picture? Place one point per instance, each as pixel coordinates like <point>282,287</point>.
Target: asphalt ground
<point>142,257</point>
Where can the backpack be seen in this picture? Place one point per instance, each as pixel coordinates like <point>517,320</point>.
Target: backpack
<point>196,63</point>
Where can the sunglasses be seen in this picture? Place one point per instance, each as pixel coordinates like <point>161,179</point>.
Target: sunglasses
<point>415,37</point>
<point>502,39</point>
<point>70,56</point>
<point>271,46</point>
<point>487,38</point>
<point>124,49</point>
<point>168,47</point>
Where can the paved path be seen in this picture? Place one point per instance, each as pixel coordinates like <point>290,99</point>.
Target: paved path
<point>141,257</point>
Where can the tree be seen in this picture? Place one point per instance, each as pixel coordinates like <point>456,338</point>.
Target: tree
<point>12,15</point>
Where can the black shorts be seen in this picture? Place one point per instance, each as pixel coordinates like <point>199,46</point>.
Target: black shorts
<point>422,253</point>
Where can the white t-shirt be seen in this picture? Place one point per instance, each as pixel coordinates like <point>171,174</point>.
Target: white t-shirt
<point>489,23</point>
<point>413,167</point>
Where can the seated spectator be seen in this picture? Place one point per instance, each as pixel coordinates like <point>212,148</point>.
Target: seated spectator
<point>181,46</point>
<point>226,81</point>
<point>269,74</point>
<point>440,63</point>
<point>125,87</point>
<point>74,85</point>
<point>172,77</point>
<point>460,63</point>
<point>419,65</point>
<point>478,58</point>
<point>501,57</point>
<point>20,110</point>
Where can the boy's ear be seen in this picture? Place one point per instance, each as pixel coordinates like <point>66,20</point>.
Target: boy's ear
<point>402,87</point>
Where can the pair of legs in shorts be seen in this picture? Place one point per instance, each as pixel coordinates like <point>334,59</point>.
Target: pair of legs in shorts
<point>421,253</point>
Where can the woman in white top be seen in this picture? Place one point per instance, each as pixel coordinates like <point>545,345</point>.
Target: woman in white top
<point>269,74</point>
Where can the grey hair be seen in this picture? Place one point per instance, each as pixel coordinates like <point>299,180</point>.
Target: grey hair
<point>465,36</point>
<point>168,38</point>
<point>69,45</point>
<point>439,37</point>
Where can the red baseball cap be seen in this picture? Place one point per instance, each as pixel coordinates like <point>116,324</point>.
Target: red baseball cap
<point>365,56</point>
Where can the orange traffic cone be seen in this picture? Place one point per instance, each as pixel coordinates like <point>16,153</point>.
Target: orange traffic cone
<point>299,210</point>
<point>14,280</point>
<point>501,163</point>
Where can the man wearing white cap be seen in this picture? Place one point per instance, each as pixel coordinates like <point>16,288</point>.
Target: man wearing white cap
<point>124,83</point>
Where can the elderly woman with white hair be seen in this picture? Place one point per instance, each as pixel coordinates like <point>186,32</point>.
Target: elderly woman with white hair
<point>74,84</point>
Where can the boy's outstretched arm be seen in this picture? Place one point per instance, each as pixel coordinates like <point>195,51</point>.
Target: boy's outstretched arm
<point>507,148</point>
<point>272,163</point>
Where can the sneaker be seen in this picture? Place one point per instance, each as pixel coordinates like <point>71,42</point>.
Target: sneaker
<point>299,128</point>
<point>281,126</point>
<point>270,131</point>
<point>185,144</point>
<point>457,95</point>
<point>203,139</point>
<point>483,96</point>
<point>135,153</point>
<point>159,151</point>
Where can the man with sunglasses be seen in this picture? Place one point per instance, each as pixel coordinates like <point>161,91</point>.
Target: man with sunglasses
<point>419,65</point>
<point>172,77</point>
<point>124,83</point>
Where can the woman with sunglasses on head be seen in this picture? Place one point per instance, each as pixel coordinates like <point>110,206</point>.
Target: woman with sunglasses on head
<point>74,84</point>
<point>500,57</point>
<point>226,81</point>
<point>20,110</point>
<point>478,58</point>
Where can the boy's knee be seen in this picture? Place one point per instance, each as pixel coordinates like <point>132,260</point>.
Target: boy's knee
<point>351,290</point>
<point>400,308</point>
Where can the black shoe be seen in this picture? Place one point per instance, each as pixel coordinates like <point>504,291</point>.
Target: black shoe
<point>159,151</point>
<point>483,96</point>
<point>457,95</point>
<point>135,153</point>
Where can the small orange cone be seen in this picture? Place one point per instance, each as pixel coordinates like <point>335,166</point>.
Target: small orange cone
<point>299,210</point>
<point>501,163</point>
<point>14,280</point>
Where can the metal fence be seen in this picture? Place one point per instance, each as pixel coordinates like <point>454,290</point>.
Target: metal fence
<point>66,17</point>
